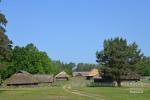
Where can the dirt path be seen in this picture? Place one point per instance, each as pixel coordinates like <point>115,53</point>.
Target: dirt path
<point>76,92</point>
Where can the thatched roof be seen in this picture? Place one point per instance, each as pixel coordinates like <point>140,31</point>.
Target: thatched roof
<point>94,72</point>
<point>80,74</point>
<point>44,78</point>
<point>130,76</point>
<point>62,74</point>
<point>21,78</point>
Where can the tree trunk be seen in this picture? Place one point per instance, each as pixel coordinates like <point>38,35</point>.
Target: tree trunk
<point>119,83</point>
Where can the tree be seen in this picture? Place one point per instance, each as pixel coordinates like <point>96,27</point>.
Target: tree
<point>144,66</point>
<point>30,59</point>
<point>72,65</point>
<point>5,43</point>
<point>86,66</point>
<point>60,66</point>
<point>119,59</point>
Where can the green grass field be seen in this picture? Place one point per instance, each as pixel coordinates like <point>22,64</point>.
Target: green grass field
<point>72,90</point>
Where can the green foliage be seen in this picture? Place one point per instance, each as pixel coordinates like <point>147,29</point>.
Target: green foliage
<point>30,59</point>
<point>119,58</point>
<point>5,43</point>
<point>86,66</point>
<point>60,66</point>
<point>144,66</point>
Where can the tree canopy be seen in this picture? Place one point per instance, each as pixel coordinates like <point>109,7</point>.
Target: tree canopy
<point>119,58</point>
<point>144,66</point>
<point>86,66</point>
<point>60,66</point>
<point>30,59</point>
<point>5,43</point>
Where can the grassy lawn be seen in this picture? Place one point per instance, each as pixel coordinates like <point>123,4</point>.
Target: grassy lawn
<point>146,81</point>
<point>58,93</point>
<point>44,93</point>
<point>113,93</point>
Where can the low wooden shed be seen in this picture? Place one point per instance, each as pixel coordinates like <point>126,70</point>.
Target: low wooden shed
<point>93,73</point>
<point>62,76</point>
<point>44,78</point>
<point>81,74</point>
<point>21,78</point>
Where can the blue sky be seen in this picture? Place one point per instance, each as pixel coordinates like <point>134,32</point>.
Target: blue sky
<point>73,30</point>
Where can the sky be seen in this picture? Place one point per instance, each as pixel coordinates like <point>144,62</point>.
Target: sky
<point>73,30</point>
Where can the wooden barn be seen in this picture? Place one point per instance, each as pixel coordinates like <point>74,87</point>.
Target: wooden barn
<point>44,78</point>
<point>21,78</point>
<point>93,73</point>
<point>131,77</point>
<point>80,74</point>
<point>62,76</point>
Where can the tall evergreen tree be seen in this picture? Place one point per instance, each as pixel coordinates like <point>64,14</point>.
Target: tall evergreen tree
<point>119,58</point>
<point>5,43</point>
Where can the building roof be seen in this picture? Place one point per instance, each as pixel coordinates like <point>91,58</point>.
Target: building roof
<point>44,78</point>
<point>80,73</point>
<point>94,72</point>
<point>130,76</point>
<point>21,77</point>
<point>62,74</point>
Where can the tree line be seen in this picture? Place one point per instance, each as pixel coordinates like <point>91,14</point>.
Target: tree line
<point>29,58</point>
<point>86,66</point>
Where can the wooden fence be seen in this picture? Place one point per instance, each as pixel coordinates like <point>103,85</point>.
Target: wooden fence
<point>101,84</point>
